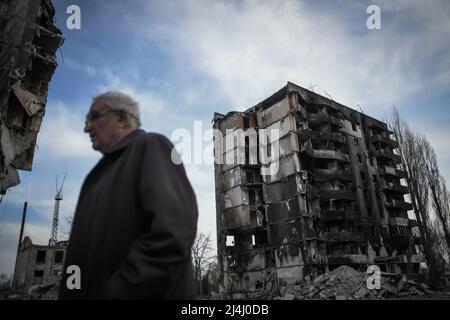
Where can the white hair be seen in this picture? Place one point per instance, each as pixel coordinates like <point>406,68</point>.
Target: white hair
<point>121,101</point>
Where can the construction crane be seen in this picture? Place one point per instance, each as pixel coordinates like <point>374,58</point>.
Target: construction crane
<point>58,198</point>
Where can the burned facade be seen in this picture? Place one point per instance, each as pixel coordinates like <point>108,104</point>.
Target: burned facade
<point>28,44</point>
<point>336,199</point>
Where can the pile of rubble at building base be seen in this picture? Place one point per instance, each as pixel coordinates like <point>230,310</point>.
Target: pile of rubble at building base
<point>346,283</point>
<point>48,291</point>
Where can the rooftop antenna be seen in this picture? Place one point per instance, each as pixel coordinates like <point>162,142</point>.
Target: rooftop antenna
<point>362,111</point>
<point>58,198</point>
<point>329,96</point>
<point>311,87</point>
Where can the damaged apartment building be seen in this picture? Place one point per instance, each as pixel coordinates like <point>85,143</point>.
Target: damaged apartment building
<point>38,264</point>
<point>336,199</point>
<point>28,44</point>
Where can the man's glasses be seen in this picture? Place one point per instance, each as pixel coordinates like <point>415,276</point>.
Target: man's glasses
<point>95,115</point>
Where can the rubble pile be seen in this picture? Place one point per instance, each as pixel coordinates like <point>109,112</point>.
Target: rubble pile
<point>47,291</point>
<point>346,283</point>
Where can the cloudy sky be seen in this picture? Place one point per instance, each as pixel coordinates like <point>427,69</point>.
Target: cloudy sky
<point>185,60</point>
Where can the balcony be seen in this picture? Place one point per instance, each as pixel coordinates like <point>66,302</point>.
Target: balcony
<point>304,134</point>
<point>400,240</point>
<point>337,194</point>
<point>332,215</point>
<point>320,117</point>
<point>328,174</point>
<point>384,138</point>
<point>399,222</point>
<point>387,154</point>
<point>417,258</point>
<point>398,204</point>
<point>391,171</point>
<point>397,188</point>
<point>347,259</point>
<point>412,223</point>
<point>331,154</point>
<point>343,236</point>
<point>401,173</point>
<point>336,137</point>
<point>299,112</point>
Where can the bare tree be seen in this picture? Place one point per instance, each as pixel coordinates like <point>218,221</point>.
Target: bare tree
<point>202,256</point>
<point>67,228</point>
<point>438,192</point>
<point>412,147</point>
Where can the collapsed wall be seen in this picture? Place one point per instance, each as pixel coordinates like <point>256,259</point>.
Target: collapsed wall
<point>28,44</point>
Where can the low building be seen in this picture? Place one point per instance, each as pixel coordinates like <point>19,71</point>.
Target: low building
<point>38,264</point>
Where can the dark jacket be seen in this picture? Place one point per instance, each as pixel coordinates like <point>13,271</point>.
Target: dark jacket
<point>134,225</point>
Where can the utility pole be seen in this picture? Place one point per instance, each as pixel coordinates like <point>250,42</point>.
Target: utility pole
<point>24,214</point>
<point>22,226</point>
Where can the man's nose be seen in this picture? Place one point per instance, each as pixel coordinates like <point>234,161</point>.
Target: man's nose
<point>87,126</point>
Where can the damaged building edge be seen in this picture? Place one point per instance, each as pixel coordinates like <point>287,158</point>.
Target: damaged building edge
<point>336,199</point>
<point>29,41</point>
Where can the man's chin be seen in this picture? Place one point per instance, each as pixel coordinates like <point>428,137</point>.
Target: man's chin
<point>95,146</point>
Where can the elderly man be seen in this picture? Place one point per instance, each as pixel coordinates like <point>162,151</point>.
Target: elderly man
<point>136,216</point>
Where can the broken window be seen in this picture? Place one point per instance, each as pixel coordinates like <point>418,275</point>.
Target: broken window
<point>246,122</point>
<point>38,276</point>
<point>359,158</point>
<point>354,126</point>
<point>259,238</point>
<point>231,261</point>
<point>251,197</point>
<point>16,117</point>
<point>40,256</point>
<point>269,149</point>
<point>59,255</point>
<point>377,251</point>
<point>356,142</point>
<point>230,241</point>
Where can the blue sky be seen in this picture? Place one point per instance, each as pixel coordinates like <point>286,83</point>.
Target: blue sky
<point>185,60</point>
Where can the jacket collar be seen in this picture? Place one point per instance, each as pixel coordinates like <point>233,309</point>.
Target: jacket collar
<point>125,141</point>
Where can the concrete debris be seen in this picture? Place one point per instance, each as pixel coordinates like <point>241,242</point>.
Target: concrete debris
<point>346,283</point>
<point>45,291</point>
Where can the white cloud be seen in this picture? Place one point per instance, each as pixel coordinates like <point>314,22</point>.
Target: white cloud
<point>75,65</point>
<point>250,49</point>
<point>150,102</point>
<point>62,135</point>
